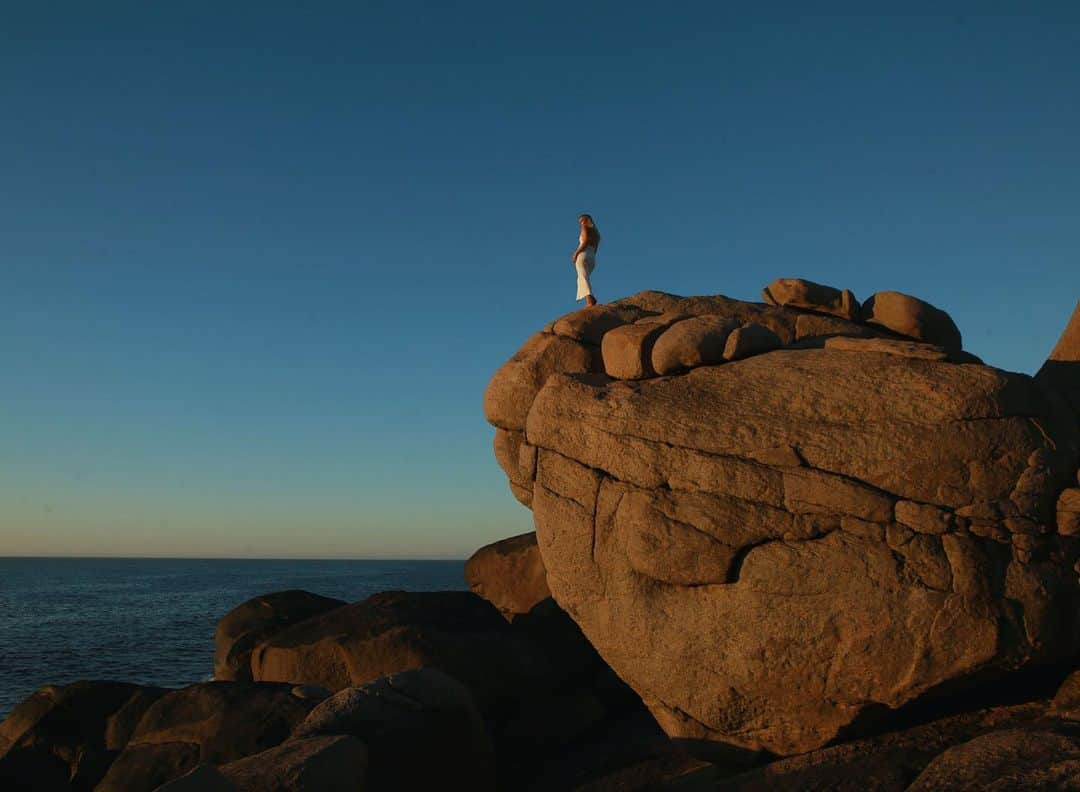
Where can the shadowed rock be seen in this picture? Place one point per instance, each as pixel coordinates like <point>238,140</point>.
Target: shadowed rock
<point>422,729</point>
<point>1061,371</point>
<point>214,722</point>
<point>335,763</point>
<point>252,622</point>
<point>65,737</point>
<point>454,631</point>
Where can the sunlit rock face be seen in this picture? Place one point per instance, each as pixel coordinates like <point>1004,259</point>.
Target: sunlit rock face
<point>772,540</point>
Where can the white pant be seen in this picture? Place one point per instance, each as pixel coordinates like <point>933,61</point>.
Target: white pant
<point>585,263</point>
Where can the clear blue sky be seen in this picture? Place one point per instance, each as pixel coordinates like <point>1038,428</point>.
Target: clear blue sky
<point>259,259</point>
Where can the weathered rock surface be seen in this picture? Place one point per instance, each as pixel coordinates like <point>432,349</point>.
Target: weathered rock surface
<point>214,722</point>
<point>509,574</point>
<point>698,341</point>
<point>334,763</point>
<point>1005,760</point>
<point>808,535</point>
<point>888,346</point>
<point>65,737</point>
<point>1006,747</point>
<point>627,350</point>
<point>252,622</point>
<point>909,316</point>
<point>750,339</point>
<point>454,631</point>
<point>800,293</point>
<point>422,729</point>
<point>202,778</point>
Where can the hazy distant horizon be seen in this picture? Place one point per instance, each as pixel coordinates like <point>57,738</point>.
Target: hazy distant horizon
<point>259,262</point>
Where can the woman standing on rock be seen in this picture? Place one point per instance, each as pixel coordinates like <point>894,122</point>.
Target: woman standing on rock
<point>584,258</point>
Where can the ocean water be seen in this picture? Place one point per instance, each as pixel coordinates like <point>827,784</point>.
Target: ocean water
<point>151,621</point>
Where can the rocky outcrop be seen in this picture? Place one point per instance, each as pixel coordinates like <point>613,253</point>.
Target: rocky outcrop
<point>65,737</point>
<point>810,534</point>
<point>909,316</point>
<point>454,631</point>
<point>254,621</point>
<point>509,574</point>
<point>422,729</point>
<point>214,722</point>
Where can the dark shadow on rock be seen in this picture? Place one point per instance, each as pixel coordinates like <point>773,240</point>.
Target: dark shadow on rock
<point>959,696</point>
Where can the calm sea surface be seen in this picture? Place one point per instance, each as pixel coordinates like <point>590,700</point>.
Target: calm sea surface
<point>152,621</point>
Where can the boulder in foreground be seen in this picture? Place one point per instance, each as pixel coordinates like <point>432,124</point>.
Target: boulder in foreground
<point>214,722</point>
<point>422,729</point>
<point>65,737</point>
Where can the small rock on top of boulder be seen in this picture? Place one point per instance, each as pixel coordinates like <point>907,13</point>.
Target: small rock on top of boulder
<point>909,316</point>
<point>810,296</point>
<point>748,340</point>
<point>694,342</point>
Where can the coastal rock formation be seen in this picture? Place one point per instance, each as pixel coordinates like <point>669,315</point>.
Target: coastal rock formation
<point>811,535</point>
<point>509,574</point>
<point>213,722</point>
<point>65,737</point>
<point>422,728</point>
<point>454,631</point>
<point>252,622</point>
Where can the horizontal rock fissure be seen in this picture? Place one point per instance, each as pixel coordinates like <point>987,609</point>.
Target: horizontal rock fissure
<point>735,457</point>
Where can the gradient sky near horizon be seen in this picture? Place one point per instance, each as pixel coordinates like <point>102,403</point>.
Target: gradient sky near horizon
<point>259,259</point>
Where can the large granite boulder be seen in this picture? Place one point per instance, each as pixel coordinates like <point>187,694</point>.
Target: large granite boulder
<point>65,737</point>
<point>455,631</point>
<point>252,622</point>
<point>213,722</point>
<point>509,574</point>
<point>770,551</point>
<point>422,729</point>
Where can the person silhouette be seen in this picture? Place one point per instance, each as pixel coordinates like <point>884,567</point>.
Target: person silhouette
<point>584,258</point>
